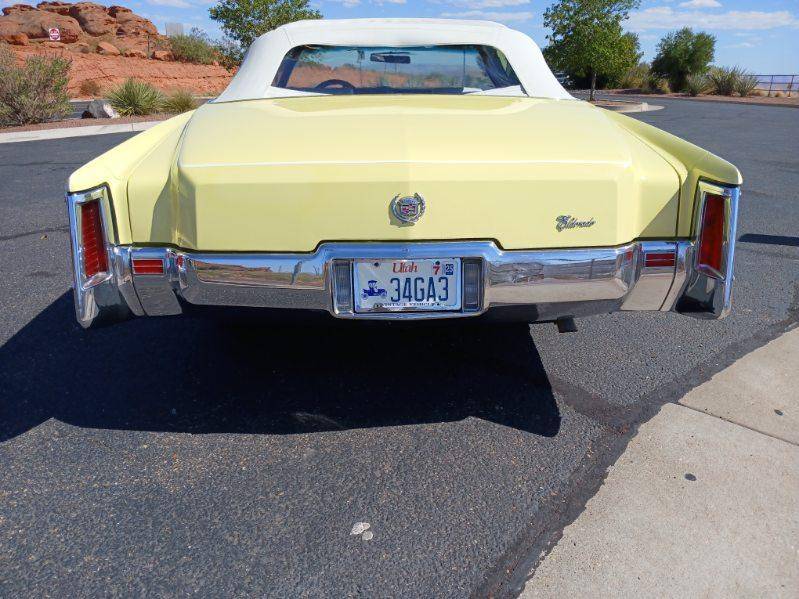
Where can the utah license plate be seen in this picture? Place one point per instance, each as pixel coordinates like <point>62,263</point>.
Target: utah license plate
<point>407,285</point>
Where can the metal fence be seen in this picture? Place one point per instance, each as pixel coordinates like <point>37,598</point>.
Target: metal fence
<point>787,84</point>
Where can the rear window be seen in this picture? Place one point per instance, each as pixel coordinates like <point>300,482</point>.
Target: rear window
<point>459,69</point>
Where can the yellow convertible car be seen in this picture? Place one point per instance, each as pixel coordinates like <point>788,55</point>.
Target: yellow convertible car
<point>402,169</point>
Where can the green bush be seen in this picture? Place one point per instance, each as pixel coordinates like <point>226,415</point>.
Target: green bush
<point>35,92</point>
<point>746,84</point>
<point>723,80</point>
<point>696,84</point>
<point>136,97</point>
<point>683,53</point>
<point>657,85</point>
<point>229,53</point>
<point>636,77</point>
<point>193,47</point>
<point>179,101</point>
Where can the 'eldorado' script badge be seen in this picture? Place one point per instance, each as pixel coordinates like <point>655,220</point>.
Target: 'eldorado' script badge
<point>566,221</point>
<point>408,209</point>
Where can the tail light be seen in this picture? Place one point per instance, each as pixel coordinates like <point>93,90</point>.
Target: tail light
<point>659,259</point>
<point>710,257</point>
<point>94,258</point>
<point>148,266</point>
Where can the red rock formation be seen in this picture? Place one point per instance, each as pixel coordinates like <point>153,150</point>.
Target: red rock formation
<point>36,24</point>
<point>62,8</point>
<point>77,22</point>
<point>93,18</point>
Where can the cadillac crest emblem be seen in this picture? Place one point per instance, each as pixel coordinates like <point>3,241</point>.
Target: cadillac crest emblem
<point>408,209</point>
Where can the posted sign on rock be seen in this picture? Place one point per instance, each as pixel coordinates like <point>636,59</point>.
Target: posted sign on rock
<point>55,34</point>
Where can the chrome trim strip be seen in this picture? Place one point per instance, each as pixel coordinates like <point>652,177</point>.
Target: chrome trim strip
<point>684,256</point>
<point>654,282</point>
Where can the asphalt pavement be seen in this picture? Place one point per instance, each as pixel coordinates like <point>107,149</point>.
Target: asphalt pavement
<point>177,456</point>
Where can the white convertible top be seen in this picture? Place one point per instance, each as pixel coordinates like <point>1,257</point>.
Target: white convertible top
<point>255,76</point>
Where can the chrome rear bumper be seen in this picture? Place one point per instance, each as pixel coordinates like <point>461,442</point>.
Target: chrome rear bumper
<point>556,283</point>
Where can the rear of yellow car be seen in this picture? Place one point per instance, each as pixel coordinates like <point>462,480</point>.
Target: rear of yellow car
<point>404,207</point>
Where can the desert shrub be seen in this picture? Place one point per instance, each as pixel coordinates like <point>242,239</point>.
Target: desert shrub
<point>179,101</point>
<point>134,97</point>
<point>745,84</point>
<point>696,84</point>
<point>656,85</point>
<point>89,87</point>
<point>35,92</point>
<point>636,77</point>
<point>193,47</point>
<point>723,80</point>
<point>779,95</point>
<point>229,53</point>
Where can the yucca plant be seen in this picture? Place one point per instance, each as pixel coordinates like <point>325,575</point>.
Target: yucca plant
<point>179,101</point>
<point>134,97</point>
<point>745,84</point>
<point>696,84</point>
<point>723,80</point>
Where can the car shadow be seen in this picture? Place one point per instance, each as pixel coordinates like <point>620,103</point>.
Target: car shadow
<point>199,376</point>
<point>770,239</point>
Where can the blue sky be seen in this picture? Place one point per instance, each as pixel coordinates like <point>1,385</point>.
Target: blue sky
<point>762,36</point>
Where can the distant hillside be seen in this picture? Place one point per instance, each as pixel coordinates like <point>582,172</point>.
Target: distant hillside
<point>105,44</point>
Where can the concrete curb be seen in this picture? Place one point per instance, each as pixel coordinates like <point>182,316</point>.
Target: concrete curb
<point>42,134</point>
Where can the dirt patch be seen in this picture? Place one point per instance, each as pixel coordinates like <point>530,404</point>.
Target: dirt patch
<point>109,71</point>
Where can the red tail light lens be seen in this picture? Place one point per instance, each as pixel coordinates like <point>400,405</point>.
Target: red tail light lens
<point>654,259</point>
<point>711,236</point>
<point>95,259</point>
<point>148,266</point>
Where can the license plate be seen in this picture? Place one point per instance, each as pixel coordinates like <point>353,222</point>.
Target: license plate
<point>407,285</point>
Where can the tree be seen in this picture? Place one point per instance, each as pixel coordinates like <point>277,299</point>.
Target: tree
<point>587,38</point>
<point>683,53</point>
<point>244,20</point>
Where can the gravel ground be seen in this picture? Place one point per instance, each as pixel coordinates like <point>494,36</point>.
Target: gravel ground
<point>177,456</point>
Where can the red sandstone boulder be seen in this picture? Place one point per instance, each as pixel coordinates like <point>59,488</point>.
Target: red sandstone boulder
<point>162,55</point>
<point>93,18</point>
<point>132,24</point>
<point>114,11</point>
<point>107,49</point>
<point>16,8</point>
<point>36,24</point>
<point>15,39</point>
<point>134,54</point>
<point>61,8</point>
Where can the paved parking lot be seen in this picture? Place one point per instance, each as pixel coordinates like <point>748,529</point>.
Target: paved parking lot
<point>186,456</point>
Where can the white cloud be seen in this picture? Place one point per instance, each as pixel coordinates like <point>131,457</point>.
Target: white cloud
<point>347,3</point>
<point>477,4</point>
<point>701,4</point>
<point>172,3</point>
<point>665,17</point>
<point>742,45</point>
<point>502,17</point>
<point>381,2</point>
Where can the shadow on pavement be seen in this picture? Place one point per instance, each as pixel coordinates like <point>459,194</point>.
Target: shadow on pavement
<point>199,376</point>
<point>770,239</point>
